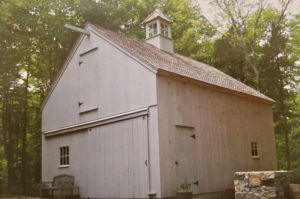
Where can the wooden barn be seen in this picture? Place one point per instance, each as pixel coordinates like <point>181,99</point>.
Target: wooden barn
<point>133,119</point>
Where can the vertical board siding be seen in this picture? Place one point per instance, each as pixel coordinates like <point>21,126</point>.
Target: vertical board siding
<point>119,152</point>
<point>88,81</point>
<point>118,76</point>
<point>107,161</point>
<point>79,164</point>
<point>154,156</point>
<point>224,125</point>
<point>185,151</point>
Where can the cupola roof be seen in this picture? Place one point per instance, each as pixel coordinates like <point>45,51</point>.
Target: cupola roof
<point>157,14</point>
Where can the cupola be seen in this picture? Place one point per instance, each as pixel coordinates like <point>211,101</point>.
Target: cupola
<point>158,30</point>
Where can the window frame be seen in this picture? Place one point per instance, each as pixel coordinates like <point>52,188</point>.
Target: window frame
<point>153,30</point>
<point>254,149</point>
<point>164,29</point>
<point>64,156</point>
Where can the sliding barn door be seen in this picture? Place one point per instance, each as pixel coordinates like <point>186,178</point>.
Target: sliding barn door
<point>185,151</point>
<point>118,160</point>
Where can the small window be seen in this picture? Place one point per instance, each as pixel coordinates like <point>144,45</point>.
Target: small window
<point>64,156</point>
<point>152,29</point>
<point>164,29</point>
<point>254,150</point>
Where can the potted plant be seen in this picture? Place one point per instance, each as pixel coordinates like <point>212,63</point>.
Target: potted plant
<point>183,191</point>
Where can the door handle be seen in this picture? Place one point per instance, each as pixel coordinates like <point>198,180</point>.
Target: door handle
<point>196,183</point>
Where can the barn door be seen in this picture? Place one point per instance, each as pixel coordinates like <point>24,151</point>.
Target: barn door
<point>118,160</point>
<point>186,156</point>
<point>88,93</point>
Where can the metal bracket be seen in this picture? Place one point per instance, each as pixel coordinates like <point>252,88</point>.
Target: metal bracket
<point>193,136</point>
<point>76,29</point>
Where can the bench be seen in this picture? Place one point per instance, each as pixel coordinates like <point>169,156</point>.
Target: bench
<point>62,187</point>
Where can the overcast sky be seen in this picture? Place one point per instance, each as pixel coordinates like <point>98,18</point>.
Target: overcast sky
<point>209,11</point>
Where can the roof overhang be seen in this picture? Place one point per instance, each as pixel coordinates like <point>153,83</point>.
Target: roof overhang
<point>166,73</point>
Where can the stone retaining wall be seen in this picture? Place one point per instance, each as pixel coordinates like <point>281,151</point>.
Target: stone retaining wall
<point>262,184</point>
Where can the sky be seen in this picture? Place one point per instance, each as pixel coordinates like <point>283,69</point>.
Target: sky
<point>210,12</point>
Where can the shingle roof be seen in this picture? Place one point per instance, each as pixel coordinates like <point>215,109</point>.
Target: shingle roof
<point>178,64</point>
<point>157,14</point>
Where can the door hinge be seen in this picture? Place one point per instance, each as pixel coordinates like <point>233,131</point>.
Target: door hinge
<point>80,103</point>
<point>146,162</point>
<point>193,136</point>
<point>80,62</point>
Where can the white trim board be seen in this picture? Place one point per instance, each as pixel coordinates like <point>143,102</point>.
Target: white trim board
<point>98,122</point>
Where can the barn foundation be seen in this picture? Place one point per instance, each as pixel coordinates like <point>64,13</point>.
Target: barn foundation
<point>262,184</point>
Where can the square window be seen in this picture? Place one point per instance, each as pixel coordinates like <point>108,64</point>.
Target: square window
<point>64,156</point>
<point>254,149</point>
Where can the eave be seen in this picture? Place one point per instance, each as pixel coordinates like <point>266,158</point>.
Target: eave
<point>166,73</point>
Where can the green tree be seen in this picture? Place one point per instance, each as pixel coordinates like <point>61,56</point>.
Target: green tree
<point>295,137</point>
<point>260,53</point>
<point>189,31</point>
<point>34,44</point>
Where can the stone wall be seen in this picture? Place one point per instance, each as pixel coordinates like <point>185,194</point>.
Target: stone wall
<point>262,184</point>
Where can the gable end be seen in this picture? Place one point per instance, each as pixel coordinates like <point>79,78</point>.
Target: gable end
<point>144,63</point>
<point>67,61</point>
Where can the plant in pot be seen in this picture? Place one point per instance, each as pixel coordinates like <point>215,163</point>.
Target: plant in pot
<point>183,191</point>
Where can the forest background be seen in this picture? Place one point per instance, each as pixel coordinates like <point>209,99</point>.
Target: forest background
<point>252,41</point>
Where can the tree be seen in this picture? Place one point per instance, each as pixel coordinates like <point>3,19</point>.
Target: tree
<point>190,27</point>
<point>33,37</point>
<point>248,28</point>
<point>259,53</point>
<point>295,137</point>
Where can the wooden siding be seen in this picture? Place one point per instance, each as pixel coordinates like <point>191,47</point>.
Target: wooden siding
<point>109,161</point>
<point>154,161</point>
<point>224,125</point>
<point>185,156</point>
<point>117,163</point>
<point>123,85</point>
<point>89,64</point>
<point>78,158</point>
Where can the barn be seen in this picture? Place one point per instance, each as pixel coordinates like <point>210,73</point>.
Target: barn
<point>133,119</point>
